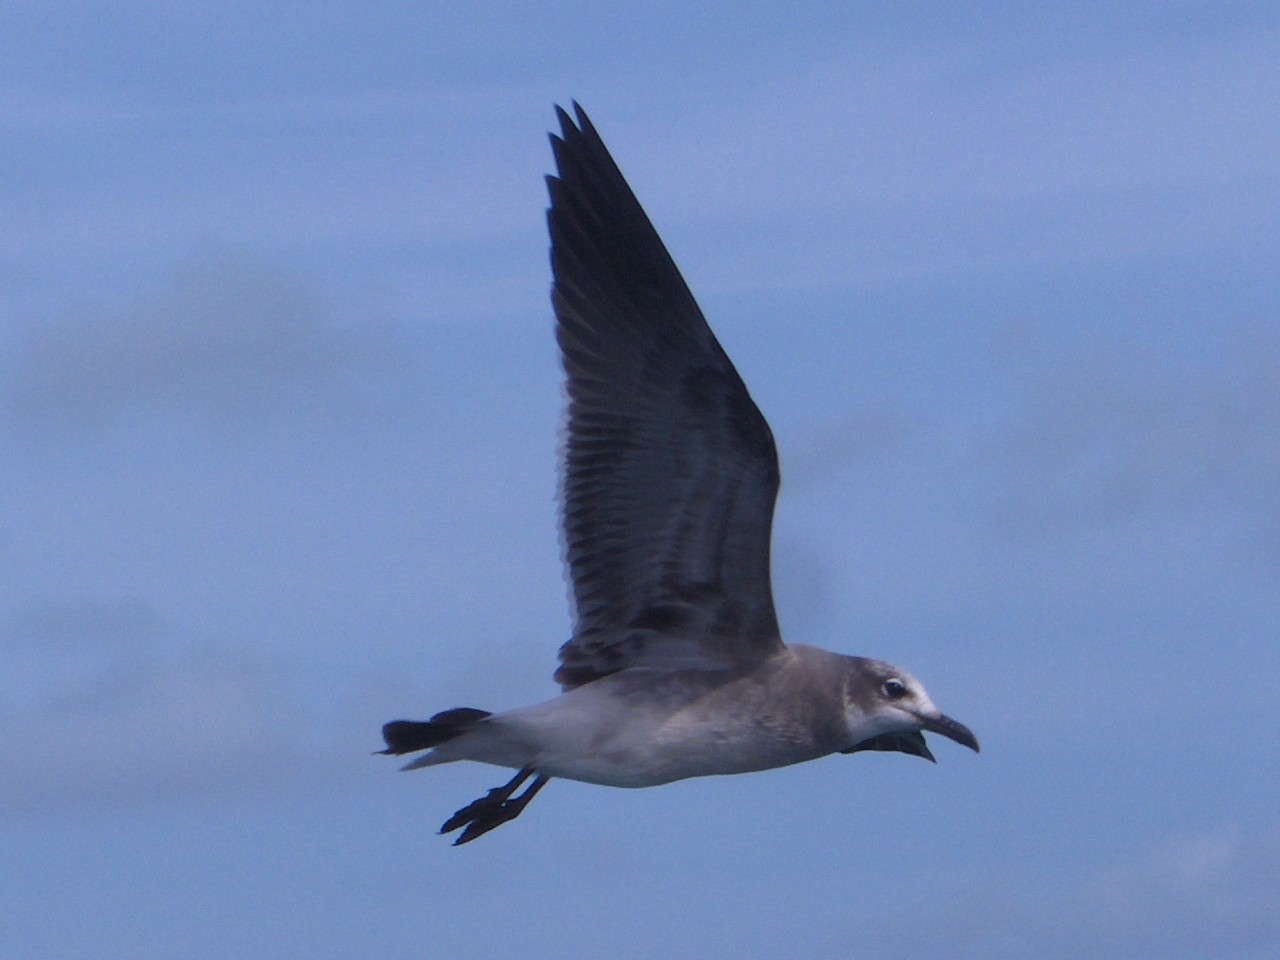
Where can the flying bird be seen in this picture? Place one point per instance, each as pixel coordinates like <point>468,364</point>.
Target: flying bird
<point>676,667</point>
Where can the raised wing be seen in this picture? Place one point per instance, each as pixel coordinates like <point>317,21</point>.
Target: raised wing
<point>670,471</point>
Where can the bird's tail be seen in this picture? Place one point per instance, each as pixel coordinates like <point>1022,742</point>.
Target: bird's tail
<point>409,736</point>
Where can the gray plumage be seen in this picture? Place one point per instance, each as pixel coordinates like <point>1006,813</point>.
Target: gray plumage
<point>670,470</point>
<point>676,667</point>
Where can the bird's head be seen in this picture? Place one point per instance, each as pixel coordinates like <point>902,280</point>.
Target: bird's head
<point>886,708</point>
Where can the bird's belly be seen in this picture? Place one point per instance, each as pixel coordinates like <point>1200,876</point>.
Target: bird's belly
<point>645,753</point>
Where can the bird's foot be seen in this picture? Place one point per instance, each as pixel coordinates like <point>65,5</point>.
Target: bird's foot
<point>493,809</point>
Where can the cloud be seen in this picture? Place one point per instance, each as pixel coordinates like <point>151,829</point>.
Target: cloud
<point>1112,437</point>
<point>1214,894</point>
<point>857,442</point>
<point>105,702</point>
<point>958,156</point>
<point>224,339</point>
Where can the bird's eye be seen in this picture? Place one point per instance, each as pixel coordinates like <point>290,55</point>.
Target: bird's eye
<point>894,689</point>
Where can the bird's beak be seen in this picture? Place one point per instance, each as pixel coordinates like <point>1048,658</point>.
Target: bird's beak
<point>950,729</point>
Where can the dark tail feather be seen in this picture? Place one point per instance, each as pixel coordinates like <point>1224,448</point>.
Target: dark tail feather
<point>407,736</point>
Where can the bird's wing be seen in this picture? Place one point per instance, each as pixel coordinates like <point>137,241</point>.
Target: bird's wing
<point>670,472</point>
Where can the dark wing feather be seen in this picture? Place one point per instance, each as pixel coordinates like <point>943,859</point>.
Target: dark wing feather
<point>670,471</point>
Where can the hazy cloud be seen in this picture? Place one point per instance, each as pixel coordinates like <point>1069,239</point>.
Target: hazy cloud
<point>858,442</point>
<point>1214,894</point>
<point>1106,438</point>
<point>224,339</point>
<point>105,702</point>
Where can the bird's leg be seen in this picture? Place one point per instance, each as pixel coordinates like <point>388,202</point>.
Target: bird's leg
<point>493,809</point>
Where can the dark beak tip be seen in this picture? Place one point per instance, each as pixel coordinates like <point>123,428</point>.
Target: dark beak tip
<point>967,739</point>
<point>952,730</point>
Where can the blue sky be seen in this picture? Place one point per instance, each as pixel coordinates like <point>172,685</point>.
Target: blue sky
<point>279,402</point>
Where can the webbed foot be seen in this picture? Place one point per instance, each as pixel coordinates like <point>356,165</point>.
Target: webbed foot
<point>493,809</point>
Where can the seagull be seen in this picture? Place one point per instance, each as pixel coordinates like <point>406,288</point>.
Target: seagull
<point>676,667</point>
